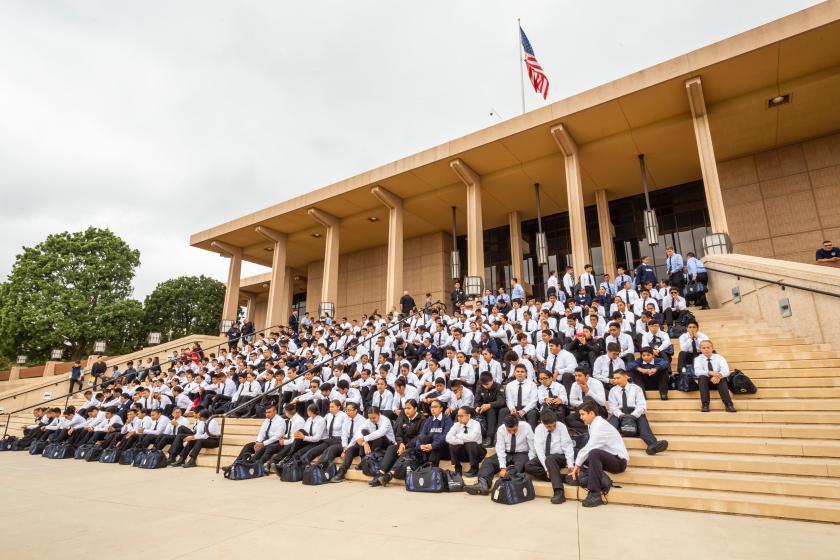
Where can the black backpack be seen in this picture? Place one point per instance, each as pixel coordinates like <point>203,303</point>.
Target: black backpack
<point>370,463</point>
<point>290,469</point>
<point>512,489</point>
<point>740,384</point>
<point>110,455</point>
<point>150,459</point>
<point>9,443</point>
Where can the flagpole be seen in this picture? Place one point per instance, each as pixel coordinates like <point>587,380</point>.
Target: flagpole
<point>521,69</point>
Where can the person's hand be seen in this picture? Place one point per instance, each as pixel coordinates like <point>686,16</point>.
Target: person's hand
<point>584,387</point>
<point>575,472</point>
<point>367,449</point>
<point>188,439</point>
<point>521,413</point>
<point>298,435</point>
<point>361,441</point>
<point>401,449</point>
<point>503,472</point>
<point>259,445</point>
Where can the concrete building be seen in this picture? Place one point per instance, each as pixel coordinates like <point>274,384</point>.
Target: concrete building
<point>739,137</point>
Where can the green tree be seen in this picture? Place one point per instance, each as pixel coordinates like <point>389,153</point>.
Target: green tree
<point>68,291</point>
<point>185,305</point>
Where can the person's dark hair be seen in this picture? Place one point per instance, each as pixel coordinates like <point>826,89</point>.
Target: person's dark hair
<point>343,384</point>
<point>620,371</point>
<point>548,417</point>
<point>484,377</point>
<point>412,402</point>
<point>290,407</point>
<point>313,408</point>
<point>583,369</point>
<point>440,380</point>
<point>588,406</point>
<point>555,342</point>
<point>347,406</point>
<point>455,383</point>
<point>373,410</point>
<point>613,347</point>
<point>468,410</point>
<point>70,410</point>
<point>204,414</point>
<point>511,421</point>
<point>693,322</point>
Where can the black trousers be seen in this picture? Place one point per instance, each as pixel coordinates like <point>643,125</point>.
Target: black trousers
<point>686,358</point>
<point>390,457</point>
<point>600,461</point>
<point>357,450</point>
<point>722,387</point>
<point>319,448</point>
<point>492,418</point>
<point>671,316</point>
<point>111,439</point>
<point>490,465</point>
<point>147,439</point>
<point>193,448</point>
<point>73,383</point>
<point>163,440</point>
<point>645,433</point>
<point>279,454</point>
<point>178,442</point>
<point>96,437</point>
<point>256,454</point>
<point>553,463</point>
<point>330,453</point>
<point>127,442</point>
<point>657,381</point>
<point>301,448</point>
<point>470,452</point>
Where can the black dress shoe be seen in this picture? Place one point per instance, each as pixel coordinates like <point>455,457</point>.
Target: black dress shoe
<point>559,497</point>
<point>226,469</point>
<point>189,464</point>
<point>478,489</point>
<point>385,479</point>
<point>339,476</point>
<point>471,473</point>
<point>593,499</point>
<point>730,408</point>
<point>178,464</point>
<point>663,396</point>
<point>704,407</point>
<point>657,447</point>
<point>487,443</point>
<point>374,482</point>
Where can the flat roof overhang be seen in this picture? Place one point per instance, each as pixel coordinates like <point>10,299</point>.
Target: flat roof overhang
<point>646,112</point>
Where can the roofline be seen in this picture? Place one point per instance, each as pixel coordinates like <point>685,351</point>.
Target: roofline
<point>682,65</point>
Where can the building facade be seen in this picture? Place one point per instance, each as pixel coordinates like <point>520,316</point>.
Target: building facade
<point>740,137</point>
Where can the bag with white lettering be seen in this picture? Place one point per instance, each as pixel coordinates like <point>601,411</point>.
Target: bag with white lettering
<point>427,478</point>
<point>151,459</point>
<point>628,426</point>
<point>80,451</point>
<point>512,489</point>
<point>290,469</point>
<point>110,455</point>
<point>127,456</point>
<point>245,469</point>
<point>454,481</point>
<point>8,443</point>
<point>319,473</point>
<point>370,463</point>
<point>740,384</point>
<point>61,451</point>
<point>92,453</point>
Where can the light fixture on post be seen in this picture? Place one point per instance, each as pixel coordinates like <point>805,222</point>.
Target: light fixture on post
<point>455,260</point>
<point>651,225</point>
<point>99,346</point>
<point>542,242</point>
<point>224,326</point>
<point>326,309</point>
<point>473,286</point>
<point>717,244</point>
<point>21,359</point>
<point>154,338</point>
<point>56,353</point>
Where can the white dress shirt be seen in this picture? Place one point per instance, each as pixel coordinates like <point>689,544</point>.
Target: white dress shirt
<point>561,443</point>
<point>459,433</point>
<point>562,362</point>
<point>382,428</point>
<point>554,391</point>
<point>524,442</point>
<point>685,341</point>
<point>314,429</point>
<point>603,436</point>
<point>601,368</point>
<point>596,391</point>
<point>719,365</point>
<point>635,400</point>
<point>529,394</point>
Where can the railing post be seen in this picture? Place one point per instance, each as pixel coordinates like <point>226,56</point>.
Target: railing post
<point>221,442</point>
<point>6,430</point>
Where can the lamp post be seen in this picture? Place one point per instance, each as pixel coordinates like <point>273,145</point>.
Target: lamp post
<point>99,346</point>
<point>717,244</point>
<point>455,259</point>
<point>651,225</point>
<point>326,309</point>
<point>56,353</point>
<point>473,286</point>
<point>154,338</point>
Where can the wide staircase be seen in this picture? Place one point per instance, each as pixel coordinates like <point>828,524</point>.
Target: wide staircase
<point>778,456</point>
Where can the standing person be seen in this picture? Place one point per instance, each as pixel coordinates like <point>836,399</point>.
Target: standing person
<point>76,376</point>
<point>234,334</point>
<point>552,283</point>
<point>457,297</point>
<point>516,290</point>
<point>427,307</point>
<point>697,273</point>
<point>293,320</point>
<point>674,267</point>
<point>587,281</point>
<point>248,331</point>
<point>569,282</point>
<point>97,371</point>
<point>644,273</point>
<point>605,451</point>
<point>407,303</point>
<point>620,278</point>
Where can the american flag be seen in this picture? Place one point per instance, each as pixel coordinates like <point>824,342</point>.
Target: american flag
<point>535,71</point>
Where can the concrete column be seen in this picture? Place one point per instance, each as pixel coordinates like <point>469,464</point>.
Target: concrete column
<point>516,249</point>
<point>231,305</point>
<point>277,310</point>
<point>475,226</point>
<point>574,191</point>
<point>14,373</point>
<point>605,228</point>
<point>706,151</point>
<point>250,305</point>
<point>394,270</point>
<point>329,290</point>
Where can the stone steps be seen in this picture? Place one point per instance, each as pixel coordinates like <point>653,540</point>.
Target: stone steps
<point>752,430</point>
<point>767,393</point>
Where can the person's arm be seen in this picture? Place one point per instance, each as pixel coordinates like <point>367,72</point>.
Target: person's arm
<point>452,436</point>
<point>379,432</point>
<point>539,448</point>
<point>614,402</point>
<point>641,403</point>
<point>501,452</point>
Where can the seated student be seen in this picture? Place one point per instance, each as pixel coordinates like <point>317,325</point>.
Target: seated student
<point>90,402</point>
<point>585,389</point>
<point>629,398</point>
<point>206,437</point>
<point>41,419</point>
<point>439,393</point>
<point>382,398</point>
<point>489,406</point>
<point>246,391</point>
<point>377,434</point>
<point>605,451</point>
<point>131,430</point>
<point>403,392</point>
<point>560,363</point>
<point>521,396</point>
<point>552,396</point>
<point>554,449</point>
<point>651,373</point>
<point>177,425</point>
<point>624,341</point>
<point>712,368</point>
<point>333,422</point>
<point>464,440</point>
<point>658,341</point>
<point>271,429</point>
<point>114,436</point>
<point>605,365</point>
<point>461,396</point>
<point>86,432</point>
<point>351,430</point>
<point>408,426</point>
<point>514,448</point>
<point>462,370</point>
<point>311,434</point>
<point>430,444</point>
<point>690,345</point>
<point>110,424</point>
<point>673,307</point>
<point>70,427</point>
<point>159,422</point>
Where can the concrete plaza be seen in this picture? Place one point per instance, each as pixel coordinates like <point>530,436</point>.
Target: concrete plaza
<point>70,509</point>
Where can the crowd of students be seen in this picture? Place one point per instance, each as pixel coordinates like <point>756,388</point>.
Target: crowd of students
<point>546,385</point>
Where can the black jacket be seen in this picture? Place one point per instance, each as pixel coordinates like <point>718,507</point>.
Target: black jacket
<point>407,429</point>
<point>494,396</point>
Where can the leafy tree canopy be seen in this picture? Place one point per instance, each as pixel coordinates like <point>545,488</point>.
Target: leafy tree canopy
<point>185,305</point>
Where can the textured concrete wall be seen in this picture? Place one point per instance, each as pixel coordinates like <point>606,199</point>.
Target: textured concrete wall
<point>782,203</point>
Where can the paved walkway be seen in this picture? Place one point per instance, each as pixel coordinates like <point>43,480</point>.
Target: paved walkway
<point>90,507</point>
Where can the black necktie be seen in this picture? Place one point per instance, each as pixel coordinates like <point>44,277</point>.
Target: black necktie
<point>611,369</point>
<point>512,444</point>
<point>624,400</point>
<point>352,421</point>
<point>332,421</point>
<point>545,356</point>
<point>709,365</point>
<point>519,396</point>
<point>693,345</point>
<point>465,429</point>
<point>288,427</point>
<point>268,430</point>
<point>548,444</point>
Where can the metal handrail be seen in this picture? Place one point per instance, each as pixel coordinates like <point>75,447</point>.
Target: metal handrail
<point>68,395</point>
<point>278,388</point>
<point>781,283</point>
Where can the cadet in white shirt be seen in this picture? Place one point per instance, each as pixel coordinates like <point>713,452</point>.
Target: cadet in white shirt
<point>552,396</point>
<point>605,451</point>
<point>561,364</point>
<point>206,437</point>
<point>690,345</point>
<point>673,307</point>
<point>624,340</point>
<point>711,368</point>
<point>334,423</point>
<point>606,364</point>
<point>272,428</point>
<point>514,448</point>
<point>177,425</point>
<point>628,400</point>
<point>294,423</point>
<point>464,439</point>
<point>312,433</point>
<point>159,424</point>
<point>658,341</point>
<point>521,396</point>
<point>555,450</point>
<point>377,434</point>
<point>585,389</point>
<point>70,426</point>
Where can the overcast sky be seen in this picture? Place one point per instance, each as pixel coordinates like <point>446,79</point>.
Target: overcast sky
<point>161,119</point>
